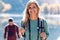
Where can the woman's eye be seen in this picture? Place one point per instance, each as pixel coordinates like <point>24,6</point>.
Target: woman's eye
<point>34,7</point>
<point>29,7</point>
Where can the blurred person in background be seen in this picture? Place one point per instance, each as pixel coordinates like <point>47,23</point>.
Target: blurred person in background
<point>11,31</point>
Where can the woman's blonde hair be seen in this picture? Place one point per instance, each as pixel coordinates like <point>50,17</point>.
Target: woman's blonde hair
<point>26,11</point>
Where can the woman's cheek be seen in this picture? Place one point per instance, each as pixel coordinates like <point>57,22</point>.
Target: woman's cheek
<point>29,11</point>
<point>35,10</point>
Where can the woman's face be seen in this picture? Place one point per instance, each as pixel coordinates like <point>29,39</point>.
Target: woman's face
<point>33,9</point>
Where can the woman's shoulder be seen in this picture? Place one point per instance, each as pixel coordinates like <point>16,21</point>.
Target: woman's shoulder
<point>42,19</point>
<point>23,22</point>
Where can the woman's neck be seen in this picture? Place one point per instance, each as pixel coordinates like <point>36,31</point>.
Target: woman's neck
<point>33,17</point>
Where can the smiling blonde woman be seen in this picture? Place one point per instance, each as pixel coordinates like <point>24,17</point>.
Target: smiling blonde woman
<point>33,27</point>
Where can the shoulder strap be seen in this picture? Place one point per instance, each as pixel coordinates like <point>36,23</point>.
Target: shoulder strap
<point>29,30</point>
<point>40,28</point>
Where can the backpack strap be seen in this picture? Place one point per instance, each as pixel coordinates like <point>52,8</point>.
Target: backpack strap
<point>38,30</point>
<point>40,27</point>
<point>29,29</point>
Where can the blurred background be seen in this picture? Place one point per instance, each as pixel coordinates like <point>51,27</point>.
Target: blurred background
<point>50,10</point>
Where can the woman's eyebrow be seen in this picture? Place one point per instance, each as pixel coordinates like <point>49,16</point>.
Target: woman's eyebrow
<point>29,7</point>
